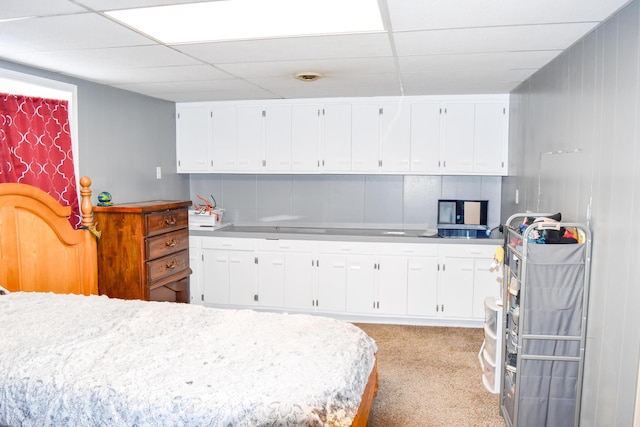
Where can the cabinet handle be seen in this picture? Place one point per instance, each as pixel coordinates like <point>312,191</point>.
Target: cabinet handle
<point>170,220</point>
<point>173,265</point>
<point>171,243</point>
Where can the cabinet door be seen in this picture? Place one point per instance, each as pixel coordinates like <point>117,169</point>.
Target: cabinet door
<point>250,136</point>
<point>336,120</point>
<point>299,281</point>
<point>455,290</point>
<point>425,138</point>
<point>360,284</point>
<point>332,282</point>
<point>277,139</point>
<point>490,138</point>
<point>395,137</point>
<point>225,139</point>
<point>305,138</point>
<point>215,272</point>
<point>485,284</point>
<point>422,286</point>
<point>196,289</point>
<point>365,137</point>
<point>458,143</point>
<point>242,278</point>
<point>271,279</point>
<point>193,137</point>
<point>392,285</point>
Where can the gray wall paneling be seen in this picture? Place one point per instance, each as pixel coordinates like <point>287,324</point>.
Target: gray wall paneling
<point>397,201</point>
<point>588,100</point>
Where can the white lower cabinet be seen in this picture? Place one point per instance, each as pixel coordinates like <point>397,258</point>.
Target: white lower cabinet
<point>332,282</point>
<point>271,279</point>
<point>455,287</point>
<point>361,292</point>
<point>391,286</point>
<point>466,280</point>
<point>285,274</point>
<point>196,292</point>
<point>401,280</point>
<point>422,289</point>
<point>228,270</point>
<point>486,283</point>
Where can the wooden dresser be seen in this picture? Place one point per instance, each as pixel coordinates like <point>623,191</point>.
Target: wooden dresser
<point>143,252</point>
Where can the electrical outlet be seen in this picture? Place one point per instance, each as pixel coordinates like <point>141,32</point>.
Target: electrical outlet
<point>158,172</point>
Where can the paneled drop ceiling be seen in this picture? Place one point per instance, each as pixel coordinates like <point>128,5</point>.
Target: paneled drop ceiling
<point>429,47</point>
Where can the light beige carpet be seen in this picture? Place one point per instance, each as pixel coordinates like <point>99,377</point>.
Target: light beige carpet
<point>430,377</point>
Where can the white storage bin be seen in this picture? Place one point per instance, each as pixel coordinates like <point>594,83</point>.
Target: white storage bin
<point>493,314</point>
<point>490,376</point>
<point>490,345</point>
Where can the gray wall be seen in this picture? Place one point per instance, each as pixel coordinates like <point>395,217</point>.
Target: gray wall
<point>574,147</point>
<point>122,137</point>
<point>347,200</point>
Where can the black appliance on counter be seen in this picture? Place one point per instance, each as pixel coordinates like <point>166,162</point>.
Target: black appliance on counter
<point>463,219</point>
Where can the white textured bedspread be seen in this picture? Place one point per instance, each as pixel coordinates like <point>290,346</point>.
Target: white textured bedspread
<point>68,360</point>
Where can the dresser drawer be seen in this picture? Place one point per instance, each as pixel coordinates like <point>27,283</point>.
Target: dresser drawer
<point>177,291</point>
<point>166,244</point>
<point>167,265</point>
<point>160,222</point>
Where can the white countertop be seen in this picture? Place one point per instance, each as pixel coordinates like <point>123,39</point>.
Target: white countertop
<point>339,234</point>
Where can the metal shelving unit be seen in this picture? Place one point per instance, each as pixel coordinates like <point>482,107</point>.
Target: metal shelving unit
<point>545,297</point>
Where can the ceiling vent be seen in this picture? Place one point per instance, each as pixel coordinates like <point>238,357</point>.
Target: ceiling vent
<point>308,77</point>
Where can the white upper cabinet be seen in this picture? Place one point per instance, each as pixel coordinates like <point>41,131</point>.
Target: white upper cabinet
<point>336,141</point>
<point>457,148</point>
<point>475,138</point>
<point>305,138</point>
<point>381,137</point>
<point>425,137</point>
<point>491,137</point>
<point>194,127</point>
<point>277,138</point>
<point>443,135</point>
<point>365,137</point>
<point>395,137</point>
<point>225,138</point>
<point>250,138</point>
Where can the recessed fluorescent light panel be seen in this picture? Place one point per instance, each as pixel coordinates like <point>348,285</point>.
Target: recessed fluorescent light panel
<point>251,19</point>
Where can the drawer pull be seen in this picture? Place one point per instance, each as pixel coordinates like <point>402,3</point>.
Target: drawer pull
<point>170,220</point>
<point>170,243</point>
<point>173,265</point>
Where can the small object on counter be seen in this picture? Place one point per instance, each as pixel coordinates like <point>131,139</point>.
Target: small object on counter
<point>104,199</point>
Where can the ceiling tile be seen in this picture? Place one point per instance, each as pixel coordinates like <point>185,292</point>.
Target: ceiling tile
<point>66,32</point>
<point>291,49</point>
<point>23,8</point>
<point>491,61</point>
<point>327,67</point>
<point>104,5</point>
<point>191,73</point>
<point>100,63</point>
<point>440,14</point>
<point>490,39</point>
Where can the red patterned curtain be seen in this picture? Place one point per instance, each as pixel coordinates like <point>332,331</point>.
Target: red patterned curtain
<point>35,148</point>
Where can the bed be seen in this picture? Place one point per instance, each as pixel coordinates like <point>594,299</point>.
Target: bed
<point>71,357</point>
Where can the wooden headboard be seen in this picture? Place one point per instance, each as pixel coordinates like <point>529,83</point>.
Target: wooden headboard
<point>39,249</point>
